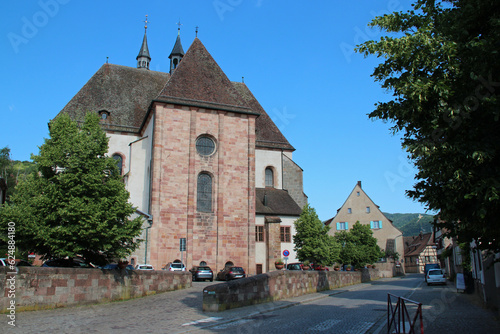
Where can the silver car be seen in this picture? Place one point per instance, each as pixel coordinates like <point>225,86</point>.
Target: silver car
<point>435,276</point>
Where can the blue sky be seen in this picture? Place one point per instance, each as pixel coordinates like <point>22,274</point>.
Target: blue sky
<point>296,57</point>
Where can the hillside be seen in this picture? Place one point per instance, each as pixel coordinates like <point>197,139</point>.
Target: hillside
<point>409,224</point>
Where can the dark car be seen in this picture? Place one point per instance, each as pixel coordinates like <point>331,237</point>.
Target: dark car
<point>115,266</point>
<point>67,263</point>
<point>297,266</point>
<point>229,273</point>
<point>202,273</point>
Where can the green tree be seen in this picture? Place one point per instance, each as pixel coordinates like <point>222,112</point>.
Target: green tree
<point>312,241</point>
<point>358,246</point>
<point>76,202</point>
<point>441,65</point>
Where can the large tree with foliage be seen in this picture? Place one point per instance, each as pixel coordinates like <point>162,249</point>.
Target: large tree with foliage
<point>76,202</point>
<point>312,242</point>
<point>358,246</point>
<point>441,65</point>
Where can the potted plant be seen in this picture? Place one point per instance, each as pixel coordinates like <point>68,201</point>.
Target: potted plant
<point>336,268</point>
<point>279,264</point>
<point>306,265</point>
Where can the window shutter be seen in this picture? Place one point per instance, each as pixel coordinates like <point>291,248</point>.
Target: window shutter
<point>371,224</point>
<point>346,225</point>
<point>338,226</point>
<point>379,224</point>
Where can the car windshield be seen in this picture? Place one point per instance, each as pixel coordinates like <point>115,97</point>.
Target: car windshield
<point>177,265</point>
<point>236,269</point>
<point>435,272</point>
<point>203,268</point>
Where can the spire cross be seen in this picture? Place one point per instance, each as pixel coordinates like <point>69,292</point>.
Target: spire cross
<point>146,23</point>
<point>179,24</point>
<point>197,31</point>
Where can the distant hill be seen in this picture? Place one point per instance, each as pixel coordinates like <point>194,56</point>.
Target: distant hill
<point>409,224</point>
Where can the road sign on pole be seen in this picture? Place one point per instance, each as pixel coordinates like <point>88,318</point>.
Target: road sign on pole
<point>286,252</point>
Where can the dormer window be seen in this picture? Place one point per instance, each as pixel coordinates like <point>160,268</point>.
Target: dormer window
<point>103,115</point>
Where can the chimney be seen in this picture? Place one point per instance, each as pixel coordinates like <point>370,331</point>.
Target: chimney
<point>359,184</point>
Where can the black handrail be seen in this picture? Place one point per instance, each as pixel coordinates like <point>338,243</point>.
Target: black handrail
<point>399,315</point>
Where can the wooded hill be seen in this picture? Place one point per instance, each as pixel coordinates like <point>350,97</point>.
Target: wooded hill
<point>409,224</point>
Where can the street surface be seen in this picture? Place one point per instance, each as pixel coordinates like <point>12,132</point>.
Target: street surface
<point>356,309</point>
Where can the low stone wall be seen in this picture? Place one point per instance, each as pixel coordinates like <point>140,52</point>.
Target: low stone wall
<point>41,288</point>
<point>278,285</point>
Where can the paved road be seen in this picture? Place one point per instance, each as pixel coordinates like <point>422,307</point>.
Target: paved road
<point>357,309</point>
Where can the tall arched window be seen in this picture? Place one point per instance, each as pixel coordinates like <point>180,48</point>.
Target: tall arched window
<point>269,177</point>
<point>119,162</point>
<point>204,197</point>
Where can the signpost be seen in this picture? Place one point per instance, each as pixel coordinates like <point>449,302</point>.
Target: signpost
<point>285,256</point>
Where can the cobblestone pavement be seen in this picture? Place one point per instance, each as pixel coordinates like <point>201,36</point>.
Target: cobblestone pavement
<point>180,312</point>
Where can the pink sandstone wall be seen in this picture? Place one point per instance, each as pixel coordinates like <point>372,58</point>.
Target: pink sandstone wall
<point>226,233</point>
<point>276,285</point>
<point>41,288</point>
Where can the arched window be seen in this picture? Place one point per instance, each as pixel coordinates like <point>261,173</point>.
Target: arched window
<point>204,197</point>
<point>269,177</point>
<point>119,162</point>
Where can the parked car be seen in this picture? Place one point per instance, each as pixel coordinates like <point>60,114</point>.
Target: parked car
<point>19,263</point>
<point>294,266</point>
<point>144,267</point>
<point>229,273</point>
<point>115,266</point>
<point>68,263</point>
<point>202,273</point>
<point>435,276</point>
<point>429,266</point>
<point>176,266</point>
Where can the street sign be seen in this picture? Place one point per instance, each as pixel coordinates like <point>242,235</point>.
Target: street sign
<point>286,252</point>
<point>183,244</point>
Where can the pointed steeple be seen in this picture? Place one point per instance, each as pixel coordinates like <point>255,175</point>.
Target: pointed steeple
<point>177,52</point>
<point>144,58</point>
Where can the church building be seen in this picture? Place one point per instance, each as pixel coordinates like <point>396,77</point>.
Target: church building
<point>201,158</point>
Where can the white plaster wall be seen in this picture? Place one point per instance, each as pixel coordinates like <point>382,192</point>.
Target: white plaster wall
<point>136,151</point>
<point>260,247</point>
<point>289,221</point>
<point>268,158</point>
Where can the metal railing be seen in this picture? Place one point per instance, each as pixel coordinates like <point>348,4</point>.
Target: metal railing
<point>398,315</point>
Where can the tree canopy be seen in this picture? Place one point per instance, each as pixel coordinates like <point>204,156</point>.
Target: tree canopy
<point>358,246</point>
<point>312,242</point>
<point>441,66</point>
<point>76,202</point>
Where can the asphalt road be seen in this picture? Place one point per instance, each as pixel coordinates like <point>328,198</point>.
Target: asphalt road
<point>357,309</point>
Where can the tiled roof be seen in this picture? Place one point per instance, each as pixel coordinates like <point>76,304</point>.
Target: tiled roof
<point>123,91</point>
<point>199,81</point>
<point>416,245</point>
<point>277,202</point>
<point>267,133</point>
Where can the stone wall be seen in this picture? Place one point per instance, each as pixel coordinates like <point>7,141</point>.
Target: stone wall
<point>41,288</point>
<point>278,285</point>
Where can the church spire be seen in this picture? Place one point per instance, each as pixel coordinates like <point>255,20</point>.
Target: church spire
<point>177,52</point>
<point>144,58</point>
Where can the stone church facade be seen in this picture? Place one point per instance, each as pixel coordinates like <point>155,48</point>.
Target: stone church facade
<point>201,158</point>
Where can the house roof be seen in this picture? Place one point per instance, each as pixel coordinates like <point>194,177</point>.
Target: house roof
<point>415,245</point>
<point>267,133</point>
<point>277,202</point>
<point>123,91</point>
<point>199,81</point>
<point>127,93</point>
